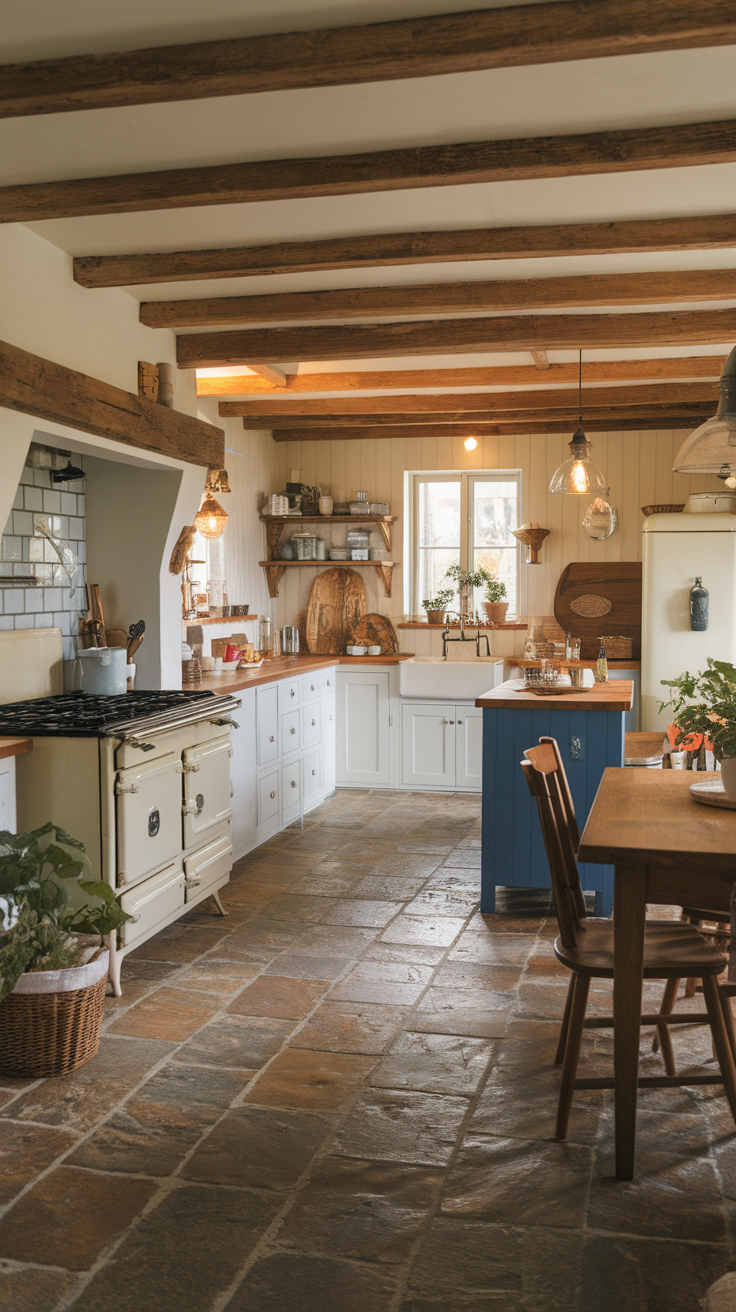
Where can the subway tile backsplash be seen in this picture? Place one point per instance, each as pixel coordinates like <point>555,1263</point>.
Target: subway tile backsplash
<point>51,602</point>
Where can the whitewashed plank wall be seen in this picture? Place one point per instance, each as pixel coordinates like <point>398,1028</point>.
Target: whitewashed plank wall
<point>637,465</point>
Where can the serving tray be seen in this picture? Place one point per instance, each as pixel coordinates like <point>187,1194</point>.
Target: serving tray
<point>710,793</point>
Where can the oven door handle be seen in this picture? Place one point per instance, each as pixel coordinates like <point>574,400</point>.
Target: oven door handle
<point>124,788</point>
<point>232,724</point>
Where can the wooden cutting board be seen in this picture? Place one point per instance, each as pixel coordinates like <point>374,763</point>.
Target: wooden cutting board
<point>376,630</point>
<point>603,597</point>
<point>337,602</point>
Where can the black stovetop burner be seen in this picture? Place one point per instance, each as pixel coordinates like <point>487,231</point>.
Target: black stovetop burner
<point>78,715</point>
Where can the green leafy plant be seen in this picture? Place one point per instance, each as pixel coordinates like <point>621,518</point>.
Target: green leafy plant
<point>443,598</point>
<point>468,578</point>
<point>48,901</point>
<point>495,590</point>
<point>705,703</point>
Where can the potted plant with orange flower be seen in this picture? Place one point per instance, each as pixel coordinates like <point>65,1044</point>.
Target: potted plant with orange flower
<point>703,706</point>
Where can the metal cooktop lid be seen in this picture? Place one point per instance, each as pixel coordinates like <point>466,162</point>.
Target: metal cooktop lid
<point>79,715</point>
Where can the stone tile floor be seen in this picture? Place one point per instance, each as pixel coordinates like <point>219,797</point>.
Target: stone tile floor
<point>342,1097</point>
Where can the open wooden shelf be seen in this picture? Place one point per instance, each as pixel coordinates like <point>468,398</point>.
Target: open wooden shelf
<point>275,570</point>
<point>275,523</point>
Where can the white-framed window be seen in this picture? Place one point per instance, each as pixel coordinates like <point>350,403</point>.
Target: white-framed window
<point>464,519</point>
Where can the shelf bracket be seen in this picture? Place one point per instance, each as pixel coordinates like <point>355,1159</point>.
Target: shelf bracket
<point>385,527</point>
<point>384,570</point>
<point>273,533</point>
<point>274,573</point>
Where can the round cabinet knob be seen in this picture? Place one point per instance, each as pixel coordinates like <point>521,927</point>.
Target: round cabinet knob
<point>311,687</point>
<point>459,721</point>
<point>271,739</point>
<point>292,731</point>
<point>314,772</point>
<point>293,783</point>
<point>450,721</point>
<point>273,794</point>
<point>292,693</point>
<point>314,722</point>
<point>329,683</point>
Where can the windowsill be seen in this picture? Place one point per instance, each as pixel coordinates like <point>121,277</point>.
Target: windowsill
<point>422,624</point>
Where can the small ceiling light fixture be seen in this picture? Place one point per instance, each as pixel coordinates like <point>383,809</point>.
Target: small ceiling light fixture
<point>470,444</point>
<point>211,520</point>
<point>216,480</point>
<point>578,474</point>
<point>711,449</point>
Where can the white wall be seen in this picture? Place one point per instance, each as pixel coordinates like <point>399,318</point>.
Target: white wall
<point>97,332</point>
<point>637,465</point>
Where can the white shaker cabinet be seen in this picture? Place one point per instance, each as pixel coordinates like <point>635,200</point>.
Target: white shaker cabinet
<point>441,745</point>
<point>363,728</point>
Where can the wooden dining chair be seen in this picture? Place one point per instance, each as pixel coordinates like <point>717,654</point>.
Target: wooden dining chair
<point>672,949</point>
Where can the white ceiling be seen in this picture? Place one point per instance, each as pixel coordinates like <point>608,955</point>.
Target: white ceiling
<point>629,92</point>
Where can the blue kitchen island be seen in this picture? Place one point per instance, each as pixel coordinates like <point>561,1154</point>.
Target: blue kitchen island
<point>589,727</point>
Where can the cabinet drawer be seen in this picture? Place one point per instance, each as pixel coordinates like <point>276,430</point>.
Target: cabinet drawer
<point>268,797</point>
<point>312,773</point>
<point>288,695</point>
<point>267,701</point>
<point>310,725</point>
<point>268,741</point>
<point>152,902</point>
<point>290,736</point>
<point>310,687</point>
<point>207,867</point>
<point>327,683</point>
<point>290,784</point>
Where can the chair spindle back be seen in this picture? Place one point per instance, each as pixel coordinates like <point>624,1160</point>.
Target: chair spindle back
<point>547,782</point>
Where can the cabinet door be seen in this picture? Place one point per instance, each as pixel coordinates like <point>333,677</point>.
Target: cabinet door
<point>363,728</point>
<point>327,708</point>
<point>269,787</point>
<point>290,791</point>
<point>312,774</point>
<point>469,747</point>
<point>245,782</point>
<point>310,724</point>
<point>428,745</point>
<point>290,738</point>
<point>268,741</point>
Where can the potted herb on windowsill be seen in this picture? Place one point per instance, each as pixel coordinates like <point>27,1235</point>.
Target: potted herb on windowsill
<point>53,956</point>
<point>704,710</point>
<point>467,580</point>
<point>494,605</point>
<point>436,606</point>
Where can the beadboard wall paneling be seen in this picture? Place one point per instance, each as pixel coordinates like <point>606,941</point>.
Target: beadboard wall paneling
<point>638,467</point>
<point>253,475</point>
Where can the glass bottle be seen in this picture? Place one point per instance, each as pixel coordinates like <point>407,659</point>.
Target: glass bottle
<point>601,669</point>
<point>698,607</point>
<point>265,637</point>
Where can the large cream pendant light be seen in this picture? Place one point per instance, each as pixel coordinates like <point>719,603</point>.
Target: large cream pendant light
<point>578,475</point>
<point>711,449</point>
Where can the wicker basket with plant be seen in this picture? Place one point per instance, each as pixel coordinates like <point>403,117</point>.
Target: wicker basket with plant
<point>53,956</point>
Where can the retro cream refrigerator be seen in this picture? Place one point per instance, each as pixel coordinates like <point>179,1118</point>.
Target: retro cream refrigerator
<point>676,550</point>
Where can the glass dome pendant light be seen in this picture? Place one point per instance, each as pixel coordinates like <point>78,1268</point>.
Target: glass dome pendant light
<point>600,520</point>
<point>211,520</point>
<point>578,475</point>
<point>711,449</point>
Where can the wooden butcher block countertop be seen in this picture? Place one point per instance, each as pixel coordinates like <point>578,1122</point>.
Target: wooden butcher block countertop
<point>616,695</point>
<point>285,668</point>
<point>15,746</point>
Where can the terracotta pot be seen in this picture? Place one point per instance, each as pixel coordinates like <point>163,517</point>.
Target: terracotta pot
<point>728,777</point>
<point>435,617</point>
<point>496,611</point>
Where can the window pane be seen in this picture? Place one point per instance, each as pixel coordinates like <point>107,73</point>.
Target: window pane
<point>494,513</point>
<point>501,563</point>
<point>439,514</point>
<point>432,565</point>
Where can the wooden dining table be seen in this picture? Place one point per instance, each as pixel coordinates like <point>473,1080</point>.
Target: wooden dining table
<point>665,848</point>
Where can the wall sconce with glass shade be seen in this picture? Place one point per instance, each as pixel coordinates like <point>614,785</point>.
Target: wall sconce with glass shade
<point>600,520</point>
<point>211,520</point>
<point>578,475</point>
<point>711,449</point>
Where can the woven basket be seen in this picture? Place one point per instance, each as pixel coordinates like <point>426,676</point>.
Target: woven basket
<point>618,648</point>
<point>44,1034</point>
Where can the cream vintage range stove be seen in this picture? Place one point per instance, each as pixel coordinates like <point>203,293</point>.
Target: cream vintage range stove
<point>143,780</point>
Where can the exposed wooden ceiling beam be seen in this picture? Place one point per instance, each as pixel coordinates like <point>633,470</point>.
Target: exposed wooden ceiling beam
<point>610,424</point>
<point>596,371</point>
<point>457,336</point>
<point>284,412</point>
<point>270,374</point>
<point>486,296</point>
<point>541,359</point>
<point>511,159</point>
<point>36,386</point>
<point>419,47</point>
<point>568,414</point>
<point>705,232</point>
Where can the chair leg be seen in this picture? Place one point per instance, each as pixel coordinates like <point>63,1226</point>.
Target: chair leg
<point>565,1023</point>
<point>721,1041</point>
<point>581,988</point>
<point>662,1037</point>
<point>728,1017</point>
<point>690,986</point>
